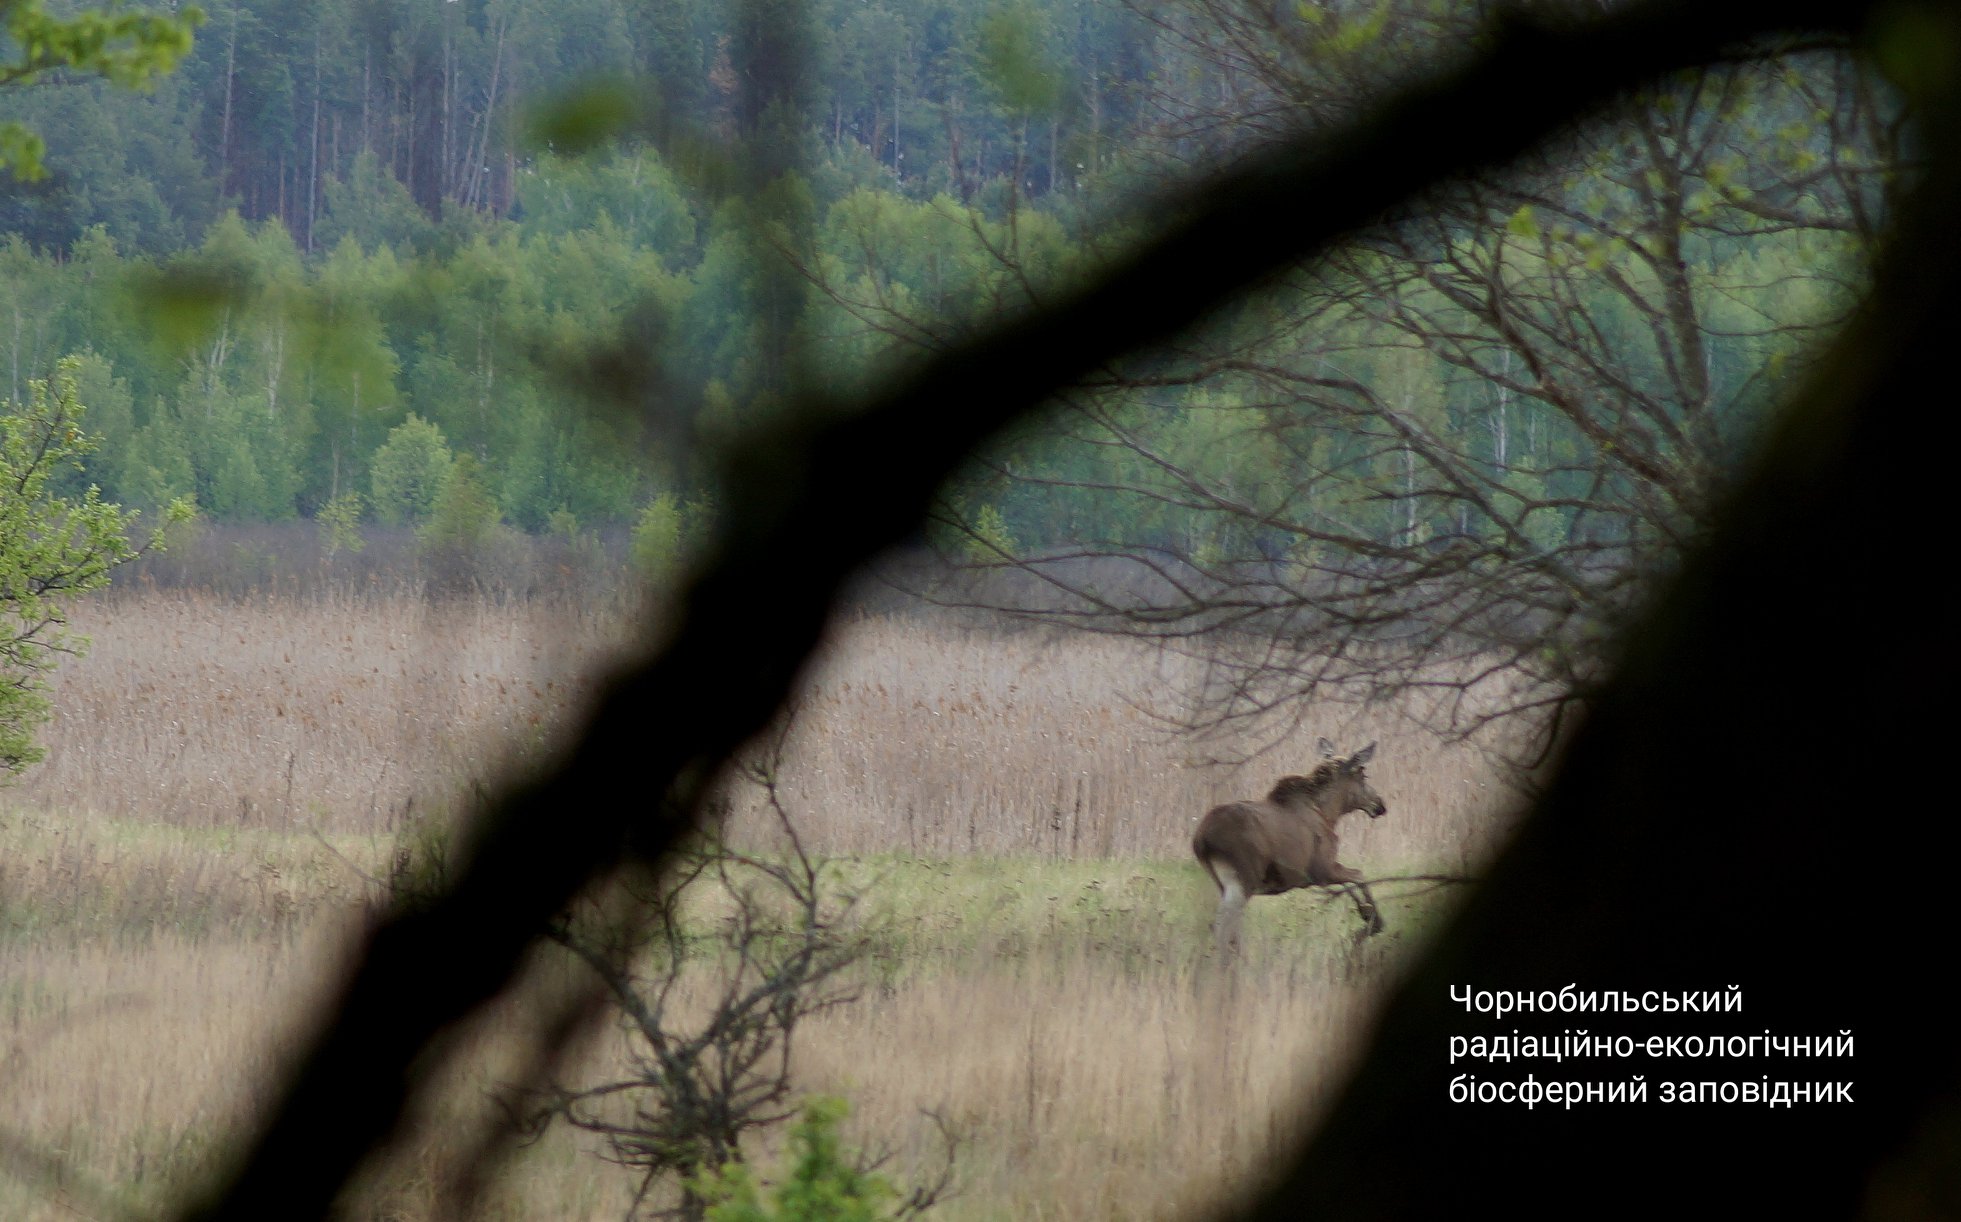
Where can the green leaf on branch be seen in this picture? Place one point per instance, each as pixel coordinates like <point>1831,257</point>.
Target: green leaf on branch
<point>131,49</point>
<point>53,548</point>
<point>820,1184</point>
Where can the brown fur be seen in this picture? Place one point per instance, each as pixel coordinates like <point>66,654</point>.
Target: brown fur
<point>1286,841</point>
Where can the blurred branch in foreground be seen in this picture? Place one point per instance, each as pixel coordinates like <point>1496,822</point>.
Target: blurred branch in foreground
<point>760,604</point>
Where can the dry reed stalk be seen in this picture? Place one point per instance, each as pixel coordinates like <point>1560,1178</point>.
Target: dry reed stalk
<point>1060,1014</point>
<point>914,736</point>
<point>164,898</point>
<point>337,713</point>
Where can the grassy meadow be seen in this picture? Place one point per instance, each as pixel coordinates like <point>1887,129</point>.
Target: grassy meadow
<point>181,877</point>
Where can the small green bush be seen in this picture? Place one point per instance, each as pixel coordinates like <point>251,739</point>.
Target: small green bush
<point>464,512</point>
<point>668,533</point>
<point>657,536</point>
<point>409,472</point>
<point>822,1186</point>
<point>991,541</point>
<point>340,524</point>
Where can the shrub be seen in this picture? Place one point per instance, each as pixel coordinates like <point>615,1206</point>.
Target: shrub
<point>464,512</point>
<point>991,541</point>
<point>409,471</point>
<point>657,536</point>
<point>52,548</point>
<point>668,532</point>
<point>821,1185</point>
<point>340,525</point>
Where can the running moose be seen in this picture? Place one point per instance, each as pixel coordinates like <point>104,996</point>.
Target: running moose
<point>1287,841</point>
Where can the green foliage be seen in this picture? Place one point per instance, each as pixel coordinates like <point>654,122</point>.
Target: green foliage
<point>464,513</point>
<point>632,190</point>
<point>581,119</point>
<point>112,414</point>
<point>22,149</point>
<point>125,48</point>
<point>370,207</point>
<point>340,524</point>
<point>562,524</point>
<point>409,472</point>
<point>991,542</point>
<point>658,536</point>
<point>156,463</point>
<point>243,462</point>
<point>1015,54</point>
<point>822,1184</point>
<point>953,170</point>
<point>52,548</point>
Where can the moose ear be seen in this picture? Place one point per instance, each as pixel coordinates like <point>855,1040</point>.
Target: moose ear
<point>1327,750</point>
<point>1359,758</point>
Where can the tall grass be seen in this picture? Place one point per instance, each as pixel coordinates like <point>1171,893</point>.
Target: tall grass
<point>342,713</point>
<point>224,776</point>
<point>335,713</point>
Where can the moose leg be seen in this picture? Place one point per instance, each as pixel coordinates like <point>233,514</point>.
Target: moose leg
<point>1365,907</point>
<point>1350,881</point>
<point>1232,905</point>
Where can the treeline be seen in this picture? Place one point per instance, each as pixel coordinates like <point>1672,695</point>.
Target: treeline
<point>385,241</point>
<point>307,379</point>
<point>324,273</point>
<point>287,106</point>
<point>275,383</point>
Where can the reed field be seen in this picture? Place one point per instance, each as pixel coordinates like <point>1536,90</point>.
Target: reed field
<point>227,776</point>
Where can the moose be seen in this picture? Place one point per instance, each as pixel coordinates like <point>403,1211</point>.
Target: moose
<point>1287,841</point>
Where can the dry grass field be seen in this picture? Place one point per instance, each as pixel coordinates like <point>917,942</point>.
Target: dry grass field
<point>180,876</point>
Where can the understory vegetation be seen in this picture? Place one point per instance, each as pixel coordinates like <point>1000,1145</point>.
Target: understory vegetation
<point>467,349</point>
<point>507,272</point>
<point>231,782</point>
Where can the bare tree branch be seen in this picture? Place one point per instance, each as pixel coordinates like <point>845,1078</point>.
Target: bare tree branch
<point>1608,307</point>
<point>1711,729</point>
<point>757,610</point>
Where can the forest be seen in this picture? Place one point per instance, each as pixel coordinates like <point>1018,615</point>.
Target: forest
<point>1359,386</point>
<point>415,220</point>
<point>394,241</point>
